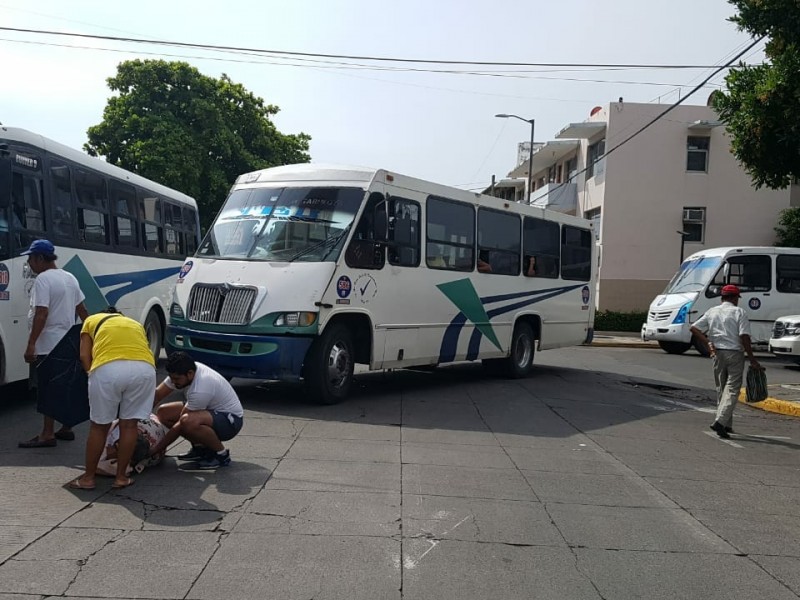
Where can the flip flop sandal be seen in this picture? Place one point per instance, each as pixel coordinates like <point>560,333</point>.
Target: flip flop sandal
<point>76,484</point>
<point>67,436</point>
<point>37,443</point>
<point>117,486</point>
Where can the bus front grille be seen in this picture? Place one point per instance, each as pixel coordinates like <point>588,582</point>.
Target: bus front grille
<point>221,303</point>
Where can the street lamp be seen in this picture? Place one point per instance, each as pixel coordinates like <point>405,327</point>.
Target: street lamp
<point>530,154</point>
<point>683,235</point>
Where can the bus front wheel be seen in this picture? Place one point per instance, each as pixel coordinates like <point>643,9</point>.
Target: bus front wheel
<point>328,371</point>
<point>520,361</point>
<point>155,336</point>
<point>674,347</point>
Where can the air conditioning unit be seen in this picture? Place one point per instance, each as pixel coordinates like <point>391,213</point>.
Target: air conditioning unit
<point>697,215</point>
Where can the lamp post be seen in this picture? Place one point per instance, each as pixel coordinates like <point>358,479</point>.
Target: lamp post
<point>530,154</point>
<point>683,235</point>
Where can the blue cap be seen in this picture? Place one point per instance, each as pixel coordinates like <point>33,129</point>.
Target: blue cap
<point>40,247</point>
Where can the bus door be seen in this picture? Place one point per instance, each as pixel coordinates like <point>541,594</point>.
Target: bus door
<point>752,274</point>
<point>5,202</point>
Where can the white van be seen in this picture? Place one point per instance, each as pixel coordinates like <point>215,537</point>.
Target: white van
<point>769,280</point>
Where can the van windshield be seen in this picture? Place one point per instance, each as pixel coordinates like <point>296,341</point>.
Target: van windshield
<point>693,275</point>
<point>306,224</point>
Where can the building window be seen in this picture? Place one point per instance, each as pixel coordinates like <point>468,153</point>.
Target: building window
<point>697,154</point>
<point>694,224</point>
<point>594,164</point>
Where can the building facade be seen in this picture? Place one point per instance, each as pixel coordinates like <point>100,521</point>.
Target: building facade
<point>674,188</point>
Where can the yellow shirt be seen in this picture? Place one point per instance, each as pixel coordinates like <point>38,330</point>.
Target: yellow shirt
<point>120,338</point>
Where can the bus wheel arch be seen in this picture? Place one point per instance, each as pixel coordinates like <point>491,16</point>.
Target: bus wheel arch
<point>155,325</point>
<point>330,361</point>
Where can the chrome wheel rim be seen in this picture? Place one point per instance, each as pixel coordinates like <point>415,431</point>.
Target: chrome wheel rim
<point>151,332</point>
<point>523,351</point>
<point>338,365</point>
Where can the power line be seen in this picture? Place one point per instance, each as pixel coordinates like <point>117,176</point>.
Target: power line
<point>349,57</point>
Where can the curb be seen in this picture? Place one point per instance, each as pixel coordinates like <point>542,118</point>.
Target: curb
<point>633,344</point>
<point>774,405</point>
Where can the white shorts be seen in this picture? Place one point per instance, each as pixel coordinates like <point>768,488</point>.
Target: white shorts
<point>122,388</point>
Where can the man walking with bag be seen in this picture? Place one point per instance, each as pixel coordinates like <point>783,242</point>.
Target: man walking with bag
<point>725,330</point>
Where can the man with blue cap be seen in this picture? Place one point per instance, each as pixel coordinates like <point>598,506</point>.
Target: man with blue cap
<point>56,298</point>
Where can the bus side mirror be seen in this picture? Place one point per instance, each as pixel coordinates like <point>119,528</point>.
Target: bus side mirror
<point>714,291</point>
<point>726,272</point>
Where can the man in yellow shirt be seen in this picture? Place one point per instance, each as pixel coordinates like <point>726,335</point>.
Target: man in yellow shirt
<point>122,383</point>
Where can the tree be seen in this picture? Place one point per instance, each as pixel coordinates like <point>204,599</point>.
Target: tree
<point>761,106</point>
<point>172,124</point>
<point>788,228</point>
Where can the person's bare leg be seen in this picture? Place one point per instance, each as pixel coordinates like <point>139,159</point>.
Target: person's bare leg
<point>48,429</point>
<point>127,443</point>
<point>95,443</point>
<point>197,428</point>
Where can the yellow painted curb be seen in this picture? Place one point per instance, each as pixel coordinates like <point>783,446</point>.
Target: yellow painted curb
<point>783,407</point>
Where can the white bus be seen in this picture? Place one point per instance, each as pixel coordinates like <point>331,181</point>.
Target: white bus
<point>124,237</point>
<point>768,277</point>
<point>308,270</point>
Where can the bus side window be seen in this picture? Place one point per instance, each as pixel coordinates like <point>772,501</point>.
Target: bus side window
<point>150,215</point>
<point>364,252</point>
<point>61,207</point>
<point>27,211</point>
<point>90,189</point>
<point>541,246</point>
<point>787,268</point>
<point>404,232</point>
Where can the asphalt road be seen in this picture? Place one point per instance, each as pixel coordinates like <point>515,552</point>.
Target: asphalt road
<point>595,478</point>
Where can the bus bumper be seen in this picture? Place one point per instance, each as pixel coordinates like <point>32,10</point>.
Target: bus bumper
<point>248,356</point>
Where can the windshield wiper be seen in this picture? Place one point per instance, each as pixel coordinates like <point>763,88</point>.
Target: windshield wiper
<point>331,241</point>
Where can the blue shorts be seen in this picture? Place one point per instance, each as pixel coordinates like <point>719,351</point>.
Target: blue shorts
<point>225,425</point>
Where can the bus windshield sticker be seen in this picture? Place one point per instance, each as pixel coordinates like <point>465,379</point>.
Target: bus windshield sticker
<point>187,266</point>
<point>5,278</point>
<point>344,286</point>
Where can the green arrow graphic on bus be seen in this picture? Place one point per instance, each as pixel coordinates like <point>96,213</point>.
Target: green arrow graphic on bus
<point>95,300</point>
<point>462,293</point>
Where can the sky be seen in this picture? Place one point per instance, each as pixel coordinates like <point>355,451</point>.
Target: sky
<point>436,126</point>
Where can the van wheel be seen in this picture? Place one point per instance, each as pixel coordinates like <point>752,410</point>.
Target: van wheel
<point>701,348</point>
<point>520,361</point>
<point>329,364</point>
<point>674,347</point>
<point>155,336</point>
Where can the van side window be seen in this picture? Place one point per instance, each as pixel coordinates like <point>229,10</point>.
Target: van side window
<point>787,272</point>
<point>404,232</point>
<point>751,273</point>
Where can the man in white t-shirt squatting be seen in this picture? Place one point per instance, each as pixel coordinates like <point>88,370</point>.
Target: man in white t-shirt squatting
<point>212,413</point>
<point>56,298</point>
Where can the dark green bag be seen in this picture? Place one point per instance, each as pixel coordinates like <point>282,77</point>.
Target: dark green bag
<point>756,389</point>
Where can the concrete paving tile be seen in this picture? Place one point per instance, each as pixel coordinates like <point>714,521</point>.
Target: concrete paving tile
<point>14,538</point>
<point>698,469</point>
<point>753,532</point>
<point>345,450</point>
<point>455,570</point>
<point>351,431</point>
<point>523,439</point>
<point>322,513</point>
<point>777,474</point>
<point>68,543</point>
<point>601,490</point>
<point>109,512</point>
<point>262,426</point>
<point>623,528</point>
<point>253,446</point>
<point>645,446</point>
<point>436,415</point>
<point>21,596</point>
<point>335,476</point>
<point>41,504</point>
<point>575,460</point>
<point>298,567</point>
<point>207,500</point>
<point>420,435</point>
<point>44,577</point>
<point>783,568</point>
<point>167,519</point>
<point>185,554</point>
<point>729,497</point>
<point>466,482</point>
<point>474,520</point>
<point>456,455</point>
<point>621,574</point>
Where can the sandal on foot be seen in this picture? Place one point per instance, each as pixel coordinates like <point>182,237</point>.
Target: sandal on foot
<point>37,443</point>
<point>119,486</point>
<point>76,484</point>
<point>67,436</point>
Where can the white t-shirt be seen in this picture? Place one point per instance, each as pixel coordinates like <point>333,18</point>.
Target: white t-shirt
<point>723,324</point>
<point>59,291</point>
<point>210,391</point>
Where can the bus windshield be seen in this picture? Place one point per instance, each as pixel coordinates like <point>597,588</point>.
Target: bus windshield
<point>303,224</point>
<point>693,275</point>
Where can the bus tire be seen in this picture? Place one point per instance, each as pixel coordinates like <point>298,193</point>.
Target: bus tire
<point>701,348</point>
<point>328,369</point>
<point>154,333</point>
<point>523,345</point>
<point>674,347</point>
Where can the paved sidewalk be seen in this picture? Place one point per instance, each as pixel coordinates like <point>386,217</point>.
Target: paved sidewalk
<point>620,339</point>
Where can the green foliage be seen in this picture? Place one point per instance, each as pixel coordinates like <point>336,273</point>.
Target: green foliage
<point>761,104</point>
<point>788,228</point>
<point>609,320</point>
<point>172,124</point>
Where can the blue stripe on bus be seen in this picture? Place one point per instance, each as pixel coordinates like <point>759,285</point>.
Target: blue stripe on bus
<point>135,281</point>
<point>447,351</point>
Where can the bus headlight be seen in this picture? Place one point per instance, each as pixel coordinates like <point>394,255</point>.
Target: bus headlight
<point>176,311</point>
<point>296,319</point>
<point>682,314</point>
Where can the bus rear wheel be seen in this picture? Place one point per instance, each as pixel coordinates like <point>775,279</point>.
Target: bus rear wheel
<point>328,369</point>
<point>154,333</point>
<point>674,347</point>
<point>520,361</point>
